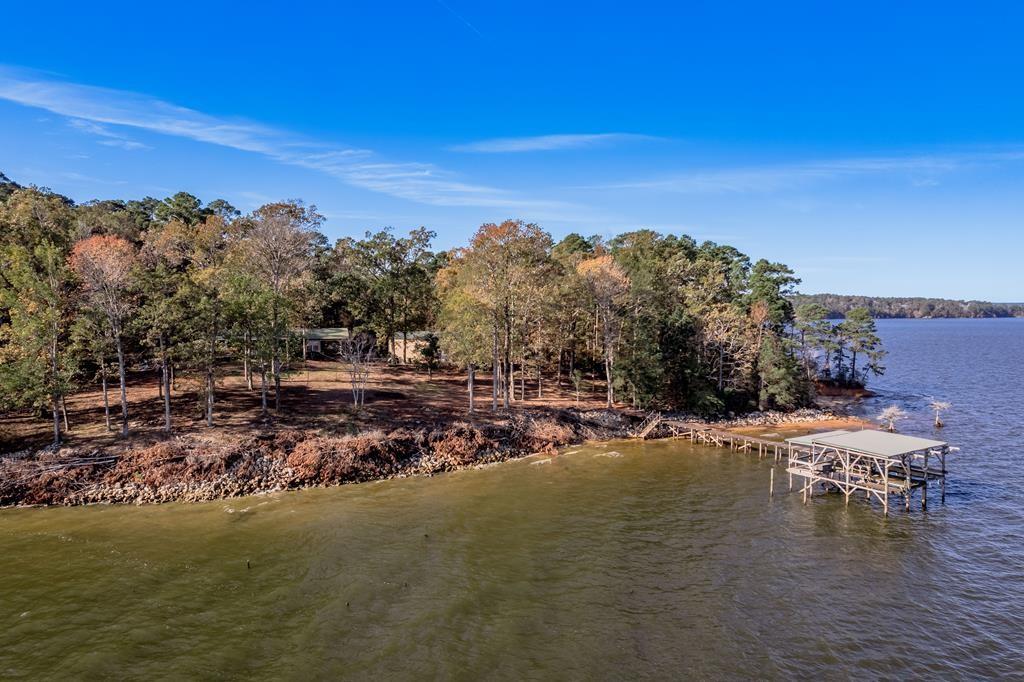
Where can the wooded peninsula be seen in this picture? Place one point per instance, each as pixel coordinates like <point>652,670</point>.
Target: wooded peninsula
<point>174,319</point>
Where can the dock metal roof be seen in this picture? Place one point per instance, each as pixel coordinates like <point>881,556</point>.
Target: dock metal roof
<point>878,443</point>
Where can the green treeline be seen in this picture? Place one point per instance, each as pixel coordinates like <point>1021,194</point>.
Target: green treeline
<point>839,305</point>
<point>192,291</point>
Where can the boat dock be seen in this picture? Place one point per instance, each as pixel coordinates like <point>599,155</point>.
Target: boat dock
<point>708,435</point>
<point>876,463</point>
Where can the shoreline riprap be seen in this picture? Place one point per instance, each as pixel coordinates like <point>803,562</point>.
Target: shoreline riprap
<point>186,469</point>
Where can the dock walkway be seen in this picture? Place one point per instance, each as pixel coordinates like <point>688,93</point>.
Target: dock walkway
<point>877,463</point>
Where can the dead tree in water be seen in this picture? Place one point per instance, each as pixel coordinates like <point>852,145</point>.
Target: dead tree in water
<point>890,415</point>
<point>939,406</point>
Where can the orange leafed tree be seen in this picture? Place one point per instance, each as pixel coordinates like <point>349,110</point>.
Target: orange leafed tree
<point>104,264</point>
<point>607,283</point>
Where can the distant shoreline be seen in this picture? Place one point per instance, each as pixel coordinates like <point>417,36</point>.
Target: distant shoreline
<point>910,308</point>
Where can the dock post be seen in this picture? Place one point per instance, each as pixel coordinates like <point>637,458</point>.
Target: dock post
<point>771,484</point>
<point>924,484</point>
<point>942,481</point>
<point>885,490</point>
<point>847,489</point>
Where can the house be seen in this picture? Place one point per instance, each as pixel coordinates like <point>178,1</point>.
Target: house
<point>325,343</point>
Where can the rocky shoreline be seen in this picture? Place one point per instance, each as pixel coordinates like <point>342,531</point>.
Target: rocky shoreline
<point>185,469</point>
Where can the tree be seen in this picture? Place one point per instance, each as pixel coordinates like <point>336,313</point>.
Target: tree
<point>938,407</point>
<point>815,333</point>
<point>36,303</point>
<point>782,384</point>
<point>860,333</point>
<point>465,324</point>
<point>607,283</point>
<point>771,285</point>
<point>279,241</point>
<point>890,415</point>
<point>493,279</point>
<point>104,265</point>
<point>358,352</point>
<point>390,285</point>
<point>90,336</point>
<point>431,353</point>
<point>182,207</point>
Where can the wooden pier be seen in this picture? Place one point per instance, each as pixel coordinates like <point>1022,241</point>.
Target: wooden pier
<point>877,463</point>
<point>707,435</point>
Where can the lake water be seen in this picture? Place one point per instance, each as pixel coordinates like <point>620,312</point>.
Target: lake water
<point>613,561</point>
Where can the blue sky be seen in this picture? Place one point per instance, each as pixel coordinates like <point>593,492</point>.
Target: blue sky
<point>874,147</point>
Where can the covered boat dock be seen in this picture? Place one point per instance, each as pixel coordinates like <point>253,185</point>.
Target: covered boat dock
<point>876,462</point>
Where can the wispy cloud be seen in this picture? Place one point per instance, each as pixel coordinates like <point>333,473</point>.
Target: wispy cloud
<point>501,145</point>
<point>108,137</point>
<point>94,109</point>
<point>921,170</point>
<point>458,16</point>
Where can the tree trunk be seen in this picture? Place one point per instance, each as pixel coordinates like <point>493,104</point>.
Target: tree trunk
<point>721,369</point>
<point>608,378</point>
<point>276,367</point>
<point>469,382</point>
<point>106,398</point>
<point>64,413</point>
<point>522,381</point>
<point>494,367</point>
<point>124,384</point>
<point>263,388</point>
<point>508,377</point>
<point>245,359</point>
<point>55,395</point>
<point>275,361</point>
<point>209,378</point>
<point>56,419</point>
<point>167,387</point>
<point>209,396</point>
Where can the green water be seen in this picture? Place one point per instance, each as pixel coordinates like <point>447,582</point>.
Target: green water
<point>665,559</point>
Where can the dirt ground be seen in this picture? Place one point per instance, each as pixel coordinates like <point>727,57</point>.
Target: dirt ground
<point>781,432</point>
<point>316,396</point>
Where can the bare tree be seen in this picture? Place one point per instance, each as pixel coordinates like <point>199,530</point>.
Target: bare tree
<point>358,354</point>
<point>939,406</point>
<point>890,415</point>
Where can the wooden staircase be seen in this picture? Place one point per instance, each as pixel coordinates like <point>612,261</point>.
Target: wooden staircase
<point>647,426</point>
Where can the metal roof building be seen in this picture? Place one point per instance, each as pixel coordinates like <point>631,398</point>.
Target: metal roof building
<point>877,463</point>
